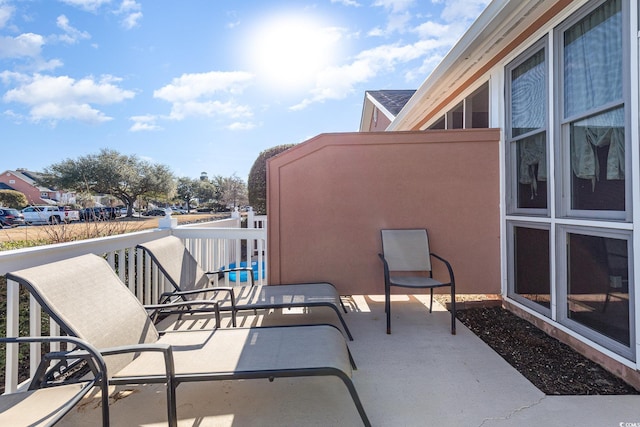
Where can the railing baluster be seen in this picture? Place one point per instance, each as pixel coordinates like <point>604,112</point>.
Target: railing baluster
<point>35,330</point>
<point>13,307</point>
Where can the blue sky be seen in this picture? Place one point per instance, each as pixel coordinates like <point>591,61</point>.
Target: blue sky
<point>204,85</point>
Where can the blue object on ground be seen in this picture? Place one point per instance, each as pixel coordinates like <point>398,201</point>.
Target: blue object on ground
<point>244,274</point>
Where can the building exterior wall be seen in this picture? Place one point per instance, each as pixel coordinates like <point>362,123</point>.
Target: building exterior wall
<point>12,180</point>
<point>329,197</point>
<point>580,276</point>
<point>379,121</point>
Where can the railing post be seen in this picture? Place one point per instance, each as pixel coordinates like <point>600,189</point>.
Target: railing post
<point>11,358</point>
<point>167,221</point>
<point>251,218</point>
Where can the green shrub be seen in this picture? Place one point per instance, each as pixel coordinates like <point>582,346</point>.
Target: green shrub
<point>257,182</point>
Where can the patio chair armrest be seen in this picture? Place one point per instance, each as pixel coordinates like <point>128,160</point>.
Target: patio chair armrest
<point>180,307</point>
<point>386,268</point>
<point>448,265</point>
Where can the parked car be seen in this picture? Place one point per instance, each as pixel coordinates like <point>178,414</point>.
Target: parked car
<point>178,211</point>
<point>10,217</point>
<point>110,212</point>
<point>92,214</point>
<point>49,214</point>
<point>155,212</point>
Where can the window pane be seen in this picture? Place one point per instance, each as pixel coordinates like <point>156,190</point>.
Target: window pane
<point>593,60</point>
<point>532,171</point>
<point>597,162</point>
<point>528,95</point>
<point>598,285</point>
<point>531,264</point>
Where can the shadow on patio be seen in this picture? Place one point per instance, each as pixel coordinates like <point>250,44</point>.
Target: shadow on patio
<point>420,375</point>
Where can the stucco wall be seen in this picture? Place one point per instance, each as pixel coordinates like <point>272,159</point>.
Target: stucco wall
<point>329,197</point>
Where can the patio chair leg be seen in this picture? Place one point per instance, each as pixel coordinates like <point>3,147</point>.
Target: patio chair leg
<point>431,302</point>
<point>387,309</point>
<point>453,310</point>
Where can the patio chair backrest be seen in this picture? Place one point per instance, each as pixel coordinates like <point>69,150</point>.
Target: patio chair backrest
<point>88,300</point>
<point>176,263</point>
<point>406,250</point>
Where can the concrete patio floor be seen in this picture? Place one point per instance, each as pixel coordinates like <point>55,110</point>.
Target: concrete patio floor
<point>419,375</point>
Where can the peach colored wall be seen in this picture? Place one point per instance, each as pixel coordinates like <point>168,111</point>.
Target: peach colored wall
<point>329,197</point>
<point>381,124</point>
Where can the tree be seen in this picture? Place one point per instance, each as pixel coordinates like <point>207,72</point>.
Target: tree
<point>234,192</point>
<point>109,172</point>
<point>257,183</point>
<point>13,199</point>
<point>186,190</point>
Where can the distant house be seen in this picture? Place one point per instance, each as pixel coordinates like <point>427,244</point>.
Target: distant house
<point>24,181</point>
<point>381,107</point>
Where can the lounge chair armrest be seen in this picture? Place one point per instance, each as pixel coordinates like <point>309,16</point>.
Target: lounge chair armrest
<point>179,307</point>
<point>165,349</point>
<point>447,264</point>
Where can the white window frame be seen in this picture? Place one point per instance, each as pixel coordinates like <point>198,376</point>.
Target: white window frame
<point>562,242</point>
<point>562,128</point>
<point>511,142</point>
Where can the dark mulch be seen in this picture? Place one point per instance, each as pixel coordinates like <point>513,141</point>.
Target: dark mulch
<point>550,365</point>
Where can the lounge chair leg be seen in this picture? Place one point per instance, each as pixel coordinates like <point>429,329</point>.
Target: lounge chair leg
<point>431,302</point>
<point>356,399</point>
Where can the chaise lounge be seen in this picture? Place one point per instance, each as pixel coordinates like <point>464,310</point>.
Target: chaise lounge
<point>88,300</point>
<point>190,281</point>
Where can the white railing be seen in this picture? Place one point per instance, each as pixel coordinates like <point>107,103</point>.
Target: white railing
<point>214,245</point>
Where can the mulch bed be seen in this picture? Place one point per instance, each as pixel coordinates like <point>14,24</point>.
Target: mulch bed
<point>553,367</point>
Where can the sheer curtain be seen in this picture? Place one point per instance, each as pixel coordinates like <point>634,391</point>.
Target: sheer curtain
<point>593,60</point>
<point>593,78</point>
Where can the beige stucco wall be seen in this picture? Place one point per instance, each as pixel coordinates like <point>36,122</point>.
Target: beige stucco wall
<point>329,197</point>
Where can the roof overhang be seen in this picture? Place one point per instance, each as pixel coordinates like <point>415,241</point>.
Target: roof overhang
<point>501,27</point>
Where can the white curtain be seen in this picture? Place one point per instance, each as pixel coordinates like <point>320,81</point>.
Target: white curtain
<point>593,78</point>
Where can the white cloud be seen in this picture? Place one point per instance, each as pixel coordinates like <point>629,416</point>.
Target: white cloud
<point>144,123</point>
<point>339,82</point>
<point>131,11</point>
<point>72,35</point>
<point>462,10</point>
<point>24,45</point>
<point>88,5</point>
<point>6,12</point>
<point>347,2</point>
<point>241,126</point>
<point>394,6</point>
<point>64,98</point>
<point>201,85</point>
<point>211,108</point>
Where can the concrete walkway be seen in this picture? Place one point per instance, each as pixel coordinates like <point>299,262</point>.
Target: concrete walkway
<point>420,375</point>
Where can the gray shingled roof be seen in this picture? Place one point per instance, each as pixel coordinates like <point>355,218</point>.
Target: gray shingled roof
<point>392,100</point>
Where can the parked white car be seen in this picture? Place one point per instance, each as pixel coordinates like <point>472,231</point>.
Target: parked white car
<point>49,214</point>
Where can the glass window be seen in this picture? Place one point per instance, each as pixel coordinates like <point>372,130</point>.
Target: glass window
<point>455,117</point>
<point>527,130</point>
<point>531,270</point>
<point>592,60</point>
<point>593,123</point>
<point>597,162</point>
<point>477,108</point>
<point>598,284</point>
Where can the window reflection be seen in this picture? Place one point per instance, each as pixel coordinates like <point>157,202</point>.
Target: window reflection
<point>532,271</point>
<point>598,285</point>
